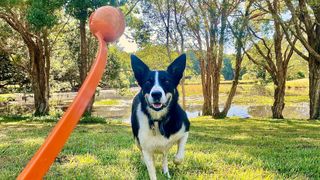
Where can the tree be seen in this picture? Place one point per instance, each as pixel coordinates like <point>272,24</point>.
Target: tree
<point>275,59</point>
<point>304,25</point>
<point>239,33</point>
<point>166,19</point>
<point>81,10</point>
<point>208,27</point>
<point>32,20</point>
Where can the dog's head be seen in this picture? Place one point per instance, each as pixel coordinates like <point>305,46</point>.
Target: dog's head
<point>158,87</point>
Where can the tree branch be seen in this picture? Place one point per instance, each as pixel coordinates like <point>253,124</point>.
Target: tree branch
<point>131,9</point>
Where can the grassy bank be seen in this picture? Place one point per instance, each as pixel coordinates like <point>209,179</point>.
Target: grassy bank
<point>255,94</point>
<point>231,148</point>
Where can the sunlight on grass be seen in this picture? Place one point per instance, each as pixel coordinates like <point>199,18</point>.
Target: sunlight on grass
<point>298,83</point>
<point>249,94</point>
<point>107,102</point>
<point>32,141</point>
<point>82,160</point>
<point>216,149</point>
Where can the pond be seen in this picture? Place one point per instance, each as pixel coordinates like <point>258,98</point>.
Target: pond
<point>123,111</point>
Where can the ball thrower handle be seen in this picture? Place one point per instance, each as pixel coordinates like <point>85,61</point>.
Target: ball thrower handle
<point>44,157</point>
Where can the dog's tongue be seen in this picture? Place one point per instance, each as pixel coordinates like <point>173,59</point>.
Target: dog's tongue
<point>157,105</point>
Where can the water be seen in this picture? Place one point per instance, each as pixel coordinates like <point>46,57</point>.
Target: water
<point>299,111</point>
<point>123,110</point>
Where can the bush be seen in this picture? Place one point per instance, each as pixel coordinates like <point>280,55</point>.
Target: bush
<point>300,75</point>
<point>92,120</point>
<point>17,109</point>
<point>248,76</point>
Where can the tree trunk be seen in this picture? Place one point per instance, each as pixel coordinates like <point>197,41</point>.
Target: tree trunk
<point>217,59</point>
<point>236,78</point>
<point>38,63</point>
<point>314,73</point>
<point>314,87</point>
<point>183,92</point>
<point>47,59</point>
<point>83,69</point>
<point>215,93</point>
<point>39,82</point>
<point>279,93</point>
<point>83,64</point>
<point>206,86</point>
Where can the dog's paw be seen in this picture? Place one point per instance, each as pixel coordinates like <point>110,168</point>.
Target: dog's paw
<point>178,160</point>
<point>167,174</point>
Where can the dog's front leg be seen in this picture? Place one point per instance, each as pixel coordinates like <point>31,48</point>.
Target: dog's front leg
<point>148,159</point>
<point>165,165</point>
<point>181,147</point>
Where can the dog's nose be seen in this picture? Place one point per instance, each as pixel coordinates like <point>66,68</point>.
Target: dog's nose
<point>156,95</point>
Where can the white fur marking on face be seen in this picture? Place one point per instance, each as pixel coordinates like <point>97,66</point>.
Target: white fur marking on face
<point>157,87</point>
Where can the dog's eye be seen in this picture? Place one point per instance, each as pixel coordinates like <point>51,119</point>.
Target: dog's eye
<point>148,82</point>
<point>167,82</point>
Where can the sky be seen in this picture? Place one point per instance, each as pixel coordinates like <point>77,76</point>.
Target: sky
<point>127,46</point>
<point>130,47</point>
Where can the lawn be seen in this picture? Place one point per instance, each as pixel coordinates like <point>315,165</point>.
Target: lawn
<point>107,102</point>
<point>228,149</point>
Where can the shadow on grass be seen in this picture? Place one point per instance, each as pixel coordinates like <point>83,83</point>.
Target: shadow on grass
<point>12,118</point>
<point>289,147</point>
<point>284,148</point>
<point>18,118</point>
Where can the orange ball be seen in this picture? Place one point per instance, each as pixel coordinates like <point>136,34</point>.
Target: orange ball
<point>107,21</point>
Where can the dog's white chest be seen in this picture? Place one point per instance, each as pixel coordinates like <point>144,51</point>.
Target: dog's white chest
<point>152,140</point>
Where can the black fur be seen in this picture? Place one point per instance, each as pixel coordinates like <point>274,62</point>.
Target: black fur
<point>168,80</point>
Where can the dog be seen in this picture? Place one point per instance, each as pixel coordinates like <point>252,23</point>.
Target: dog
<point>157,120</point>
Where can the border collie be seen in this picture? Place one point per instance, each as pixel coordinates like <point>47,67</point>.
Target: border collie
<point>158,122</point>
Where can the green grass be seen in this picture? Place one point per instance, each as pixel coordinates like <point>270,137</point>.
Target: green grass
<point>107,102</point>
<point>4,98</point>
<point>253,94</point>
<point>216,149</point>
<point>298,83</point>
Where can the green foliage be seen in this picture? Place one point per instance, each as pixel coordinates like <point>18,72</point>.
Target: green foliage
<point>298,67</point>
<point>117,72</point>
<point>11,74</point>
<point>92,120</point>
<point>112,71</point>
<point>81,9</point>
<point>38,13</point>
<point>195,63</point>
<point>156,57</point>
<point>248,76</point>
<point>227,70</point>
<point>41,14</point>
<point>141,31</point>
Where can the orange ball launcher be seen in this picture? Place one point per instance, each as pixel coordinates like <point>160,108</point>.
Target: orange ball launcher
<point>107,24</point>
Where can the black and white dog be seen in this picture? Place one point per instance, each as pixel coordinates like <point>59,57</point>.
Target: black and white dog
<point>158,122</point>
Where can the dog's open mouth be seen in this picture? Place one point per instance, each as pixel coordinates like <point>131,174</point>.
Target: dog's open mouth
<point>157,105</point>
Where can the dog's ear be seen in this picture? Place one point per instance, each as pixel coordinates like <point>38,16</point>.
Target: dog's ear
<point>139,68</point>
<point>177,67</point>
